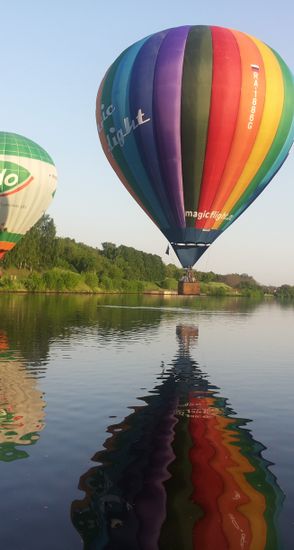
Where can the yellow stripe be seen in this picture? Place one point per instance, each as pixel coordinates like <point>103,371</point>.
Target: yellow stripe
<point>273,106</point>
<point>255,508</point>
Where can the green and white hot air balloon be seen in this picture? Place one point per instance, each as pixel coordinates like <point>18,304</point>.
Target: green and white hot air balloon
<point>28,181</point>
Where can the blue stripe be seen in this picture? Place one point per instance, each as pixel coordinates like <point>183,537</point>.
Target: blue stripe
<point>120,99</point>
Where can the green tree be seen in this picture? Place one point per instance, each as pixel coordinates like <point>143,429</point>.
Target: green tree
<point>109,250</point>
<point>285,292</point>
<point>37,249</point>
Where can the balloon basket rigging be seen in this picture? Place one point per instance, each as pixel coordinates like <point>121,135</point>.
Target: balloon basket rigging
<point>188,286</point>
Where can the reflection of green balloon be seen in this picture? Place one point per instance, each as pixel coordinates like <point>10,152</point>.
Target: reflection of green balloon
<point>196,121</point>
<point>27,184</point>
<point>21,410</point>
<point>9,452</point>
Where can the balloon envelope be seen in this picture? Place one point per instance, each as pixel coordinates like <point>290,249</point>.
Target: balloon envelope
<point>27,185</point>
<point>196,121</point>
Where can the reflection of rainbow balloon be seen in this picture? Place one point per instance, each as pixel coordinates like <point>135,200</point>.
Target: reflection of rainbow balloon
<point>27,184</point>
<point>196,121</point>
<point>232,484</point>
<point>180,472</point>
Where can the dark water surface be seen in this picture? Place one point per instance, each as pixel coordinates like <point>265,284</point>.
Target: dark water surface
<point>144,423</point>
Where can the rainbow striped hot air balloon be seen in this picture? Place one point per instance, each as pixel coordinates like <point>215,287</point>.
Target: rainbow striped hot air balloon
<point>27,184</point>
<point>196,121</point>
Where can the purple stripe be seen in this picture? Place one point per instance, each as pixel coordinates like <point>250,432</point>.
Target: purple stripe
<point>141,97</point>
<point>167,114</point>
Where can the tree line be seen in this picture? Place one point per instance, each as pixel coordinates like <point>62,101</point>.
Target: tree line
<point>56,263</point>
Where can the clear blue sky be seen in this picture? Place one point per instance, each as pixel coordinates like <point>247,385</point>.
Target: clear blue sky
<point>54,55</point>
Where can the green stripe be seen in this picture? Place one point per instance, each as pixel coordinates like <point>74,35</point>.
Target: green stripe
<point>13,144</point>
<point>196,94</point>
<point>7,237</point>
<point>279,140</point>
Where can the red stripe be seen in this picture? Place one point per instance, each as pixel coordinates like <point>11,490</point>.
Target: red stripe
<point>18,188</point>
<point>224,106</point>
<point>207,482</point>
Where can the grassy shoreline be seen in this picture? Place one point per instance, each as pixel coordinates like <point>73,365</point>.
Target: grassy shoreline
<point>61,281</point>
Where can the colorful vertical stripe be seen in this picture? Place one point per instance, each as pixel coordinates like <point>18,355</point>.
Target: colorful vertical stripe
<point>196,121</point>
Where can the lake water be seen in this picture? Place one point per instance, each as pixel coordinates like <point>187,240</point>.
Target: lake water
<point>144,423</point>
